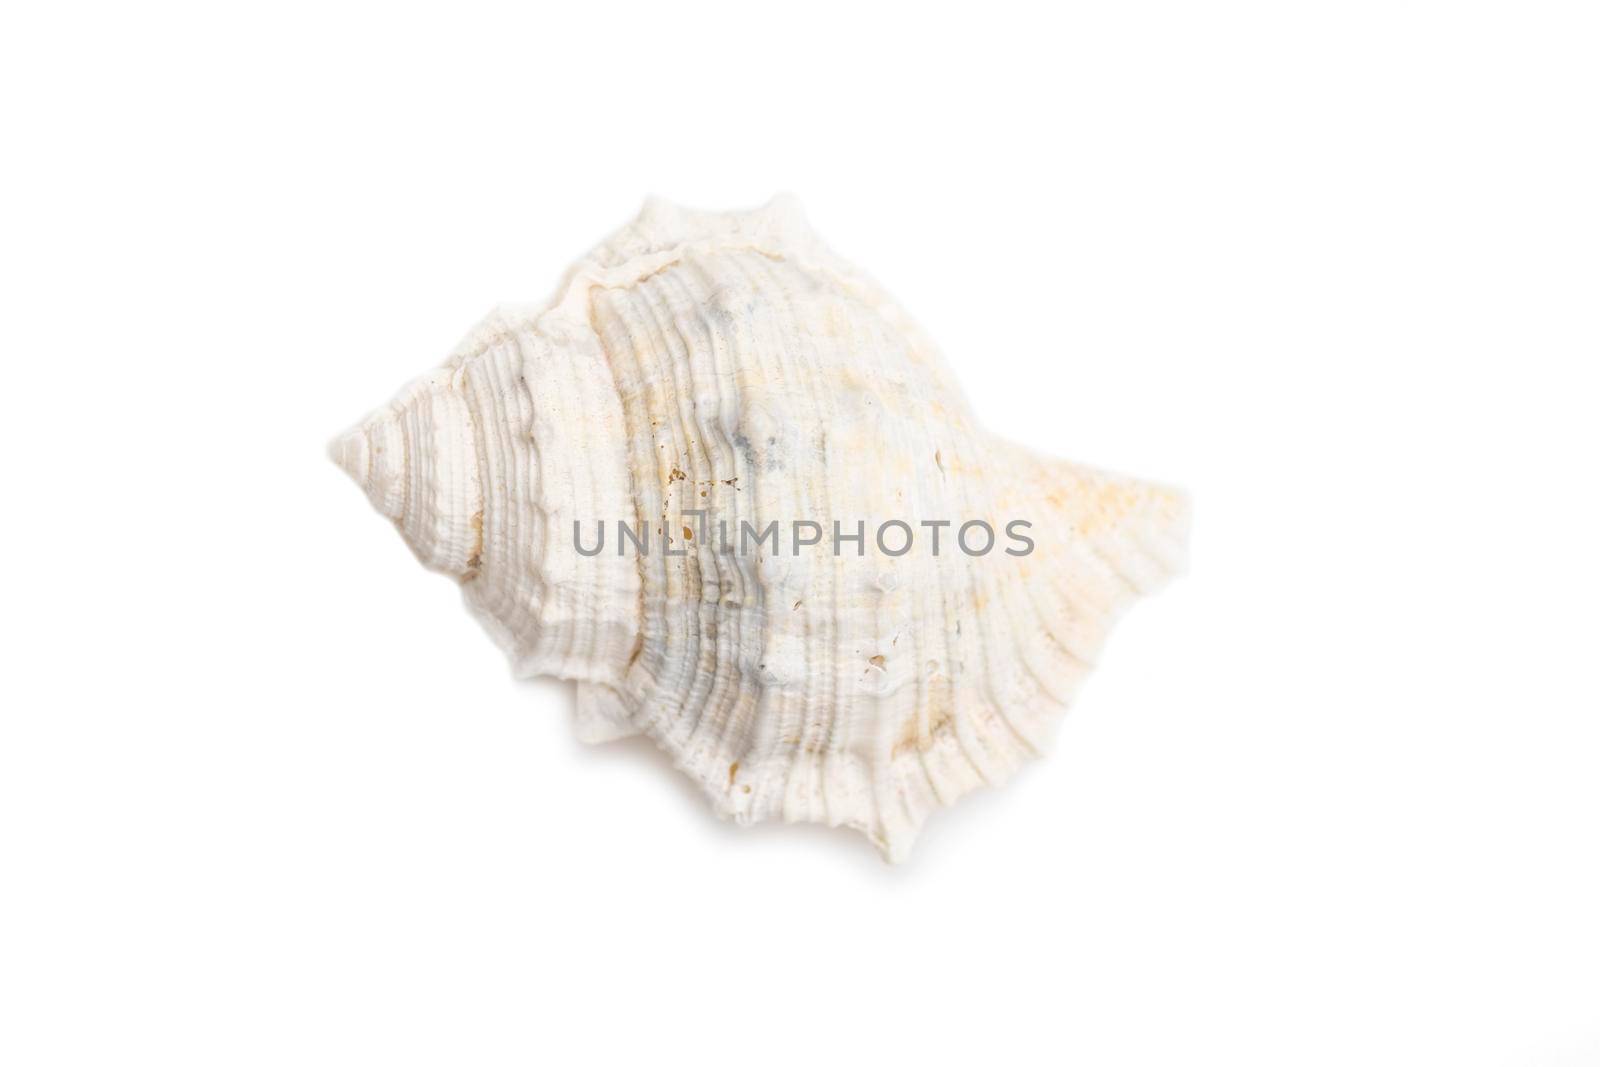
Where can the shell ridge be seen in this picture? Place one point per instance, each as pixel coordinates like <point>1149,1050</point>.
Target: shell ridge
<point>729,412</point>
<point>694,287</point>
<point>479,471</point>
<point>895,821</point>
<point>541,327</point>
<point>921,654</point>
<point>801,772</point>
<point>962,728</point>
<point>738,726</point>
<point>811,751</point>
<point>705,646</point>
<point>693,705</point>
<point>783,789</point>
<point>635,663</point>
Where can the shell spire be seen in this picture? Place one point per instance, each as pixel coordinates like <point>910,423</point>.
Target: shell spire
<point>417,462</point>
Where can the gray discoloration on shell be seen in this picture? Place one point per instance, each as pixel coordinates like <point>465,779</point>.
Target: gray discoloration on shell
<point>730,362</point>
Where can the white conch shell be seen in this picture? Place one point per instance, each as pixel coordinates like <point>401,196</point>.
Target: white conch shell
<point>729,362</point>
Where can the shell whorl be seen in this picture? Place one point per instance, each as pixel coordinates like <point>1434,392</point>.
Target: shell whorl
<point>417,461</point>
<point>480,472</point>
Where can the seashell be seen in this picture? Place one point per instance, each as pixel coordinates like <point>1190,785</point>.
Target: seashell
<point>701,373</point>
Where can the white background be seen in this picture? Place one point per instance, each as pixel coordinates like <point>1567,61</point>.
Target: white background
<point>268,796</point>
